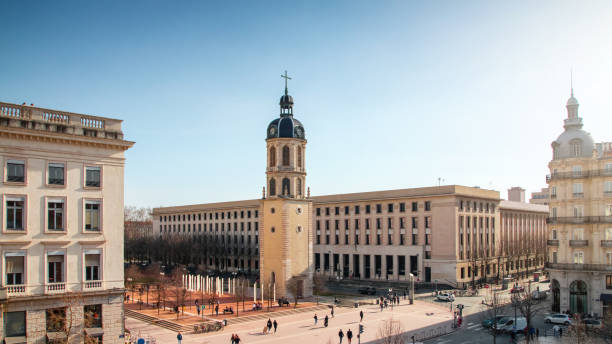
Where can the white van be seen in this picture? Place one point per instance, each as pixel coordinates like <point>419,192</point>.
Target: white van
<point>507,325</point>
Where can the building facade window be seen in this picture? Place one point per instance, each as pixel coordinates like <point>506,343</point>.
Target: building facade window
<point>92,265</point>
<point>55,215</point>
<point>92,176</point>
<point>15,268</point>
<point>55,267</point>
<point>272,156</point>
<point>286,156</point>
<point>299,156</point>
<point>15,213</point>
<point>55,174</point>
<point>579,257</point>
<point>15,171</point>
<point>93,218</point>
<point>272,187</point>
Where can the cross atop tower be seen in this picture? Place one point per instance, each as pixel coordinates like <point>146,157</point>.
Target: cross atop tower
<point>286,77</point>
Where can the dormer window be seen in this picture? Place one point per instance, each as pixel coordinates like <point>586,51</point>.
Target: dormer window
<point>576,148</point>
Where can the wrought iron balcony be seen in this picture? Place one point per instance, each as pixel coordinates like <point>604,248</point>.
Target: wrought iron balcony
<point>606,243</point>
<point>579,174</point>
<point>578,243</point>
<point>553,242</point>
<point>581,267</point>
<point>579,219</point>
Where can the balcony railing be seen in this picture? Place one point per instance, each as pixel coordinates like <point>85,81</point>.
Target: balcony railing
<point>579,243</point>
<point>88,285</point>
<point>606,243</point>
<point>579,174</point>
<point>579,220</point>
<point>55,288</point>
<point>553,242</point>
<point>16,290</point>
<point>583,267</point>
<point>578,194</point>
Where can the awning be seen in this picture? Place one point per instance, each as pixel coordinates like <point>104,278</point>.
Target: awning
<point>15,340</point>
<point>605,297</point>
<point>94,331</point>
<point>56,335</point>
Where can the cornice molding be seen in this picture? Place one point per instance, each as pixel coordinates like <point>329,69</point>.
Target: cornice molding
<point>41,136</point>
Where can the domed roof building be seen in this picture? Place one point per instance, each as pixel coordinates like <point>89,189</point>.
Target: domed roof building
<point>573,142</point>
<point>286,126</point>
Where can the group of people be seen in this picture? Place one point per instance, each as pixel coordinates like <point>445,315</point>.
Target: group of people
<point>271,324</point>
<point>235,338</point>
<point>384,302</point>
<point>349,335</point>
<point>257,306</point>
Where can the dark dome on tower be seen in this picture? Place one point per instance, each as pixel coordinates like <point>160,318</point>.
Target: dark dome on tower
<point>286,127</point>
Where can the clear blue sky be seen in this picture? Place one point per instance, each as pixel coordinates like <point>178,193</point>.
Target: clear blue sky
<point>392,94</point>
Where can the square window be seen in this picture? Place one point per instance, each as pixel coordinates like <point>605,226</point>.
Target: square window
<point>15,324</point>
<point>92,176</point>
<point>55,174</point>
<point>428,205</point>
<point>15,213</point>
<point>55,215</point>
<point>415,206</point>
<point>92,216</point>
<point>56,319</point>
<point>15,171</point>
<point>93,316</point>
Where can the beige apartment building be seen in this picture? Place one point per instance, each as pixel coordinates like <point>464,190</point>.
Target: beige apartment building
<point>540,197</point>
<point>580,222</point>
<point>61,240</point>
<point>447,233</point>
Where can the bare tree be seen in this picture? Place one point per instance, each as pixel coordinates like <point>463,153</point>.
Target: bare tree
<point>293,285</point>
<point>492,309</point>
<point>176,290</point>
<point>64,323</point>
<point>526,304</point>
<point>318,285</point>
<point>390,332</point>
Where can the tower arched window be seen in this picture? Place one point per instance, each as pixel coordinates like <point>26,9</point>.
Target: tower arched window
<point>299,187</point>
<point>272,188</point>
<point>286,187</point>
<point>272,156</point>
<point>285,156</point>
<point>299,156</point>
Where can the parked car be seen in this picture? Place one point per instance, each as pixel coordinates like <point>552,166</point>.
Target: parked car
<point>488,323</point>
<point>558,318</point>
<point>446,297</point>
<point>517,289</point>
<point>508,325</point>
<point>367,290</point>
<point>592,323</point>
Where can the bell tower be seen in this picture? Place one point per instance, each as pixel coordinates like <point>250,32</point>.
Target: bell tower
<point>286,239</point>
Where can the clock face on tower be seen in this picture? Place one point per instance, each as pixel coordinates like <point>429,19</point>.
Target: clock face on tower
<point>272,131</point>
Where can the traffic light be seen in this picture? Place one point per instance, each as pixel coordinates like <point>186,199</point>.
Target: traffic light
<point>360,328</point>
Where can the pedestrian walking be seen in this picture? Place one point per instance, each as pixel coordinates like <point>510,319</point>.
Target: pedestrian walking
<point>269,324</point>
<point>217,309</point>
<point>316,319</point>
<point>326,321</point>
<point>560,331</point>
<point>349,335</point>
<point>381,306</point>
<point>538,332</point>
<point>360,316</point>
<point>179,337</point>
<point>233,338</point>
<point>275,325</point>
<point>340,335</point>
<point>237,340</point>
<point>332,312</point>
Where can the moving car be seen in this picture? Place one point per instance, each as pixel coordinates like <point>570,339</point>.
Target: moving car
<point>508,325</point>
<point>488,323</point>
<point>592,323</point>
<point>367,290</point>
<point>446,297</point>
<point>558,318</point>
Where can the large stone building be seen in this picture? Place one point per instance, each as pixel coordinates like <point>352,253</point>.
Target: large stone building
<point>580,222</point>
<point>446,233</point>
<point>61,240</point>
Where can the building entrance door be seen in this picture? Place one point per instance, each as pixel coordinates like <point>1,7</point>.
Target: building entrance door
<point>427,274</point>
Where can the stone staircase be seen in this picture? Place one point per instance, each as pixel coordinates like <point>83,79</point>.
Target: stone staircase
<point>169,325</point>
<point>266,316</point>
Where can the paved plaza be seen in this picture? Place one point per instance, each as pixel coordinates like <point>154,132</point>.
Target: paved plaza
<point>300,328</point>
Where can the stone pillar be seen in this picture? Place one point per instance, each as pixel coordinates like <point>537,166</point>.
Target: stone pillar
<point>361,266</point>
<point>351,267</point>
<point>395,267</point>
<point>383,266</point>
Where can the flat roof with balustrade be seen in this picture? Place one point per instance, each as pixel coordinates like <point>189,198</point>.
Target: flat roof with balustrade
<point>48,123</point>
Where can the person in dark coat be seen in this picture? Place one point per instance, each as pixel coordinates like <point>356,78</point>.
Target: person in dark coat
<point>316,318</point>
<point>179,337</point>
<point>341,335</point>
<point>349,335</point>
<point>275,325</point>
<point>360,316</point>
<point>269,324</point>
<point>326,321</point>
